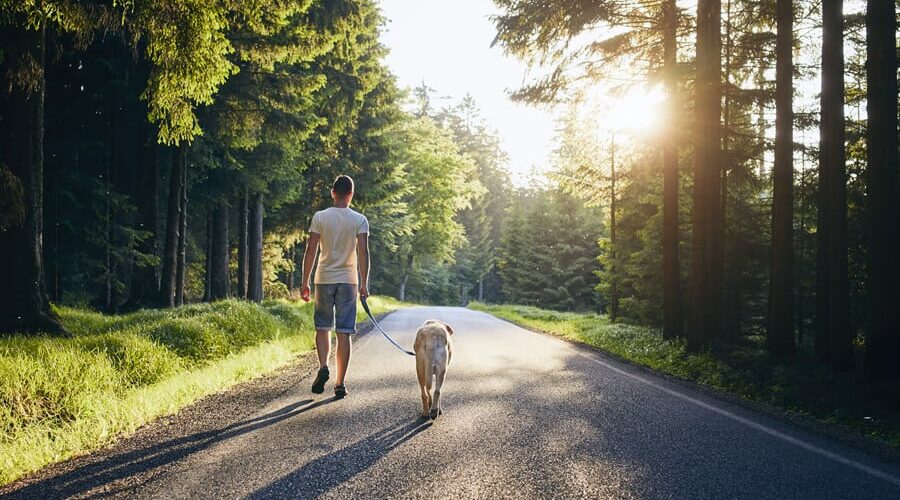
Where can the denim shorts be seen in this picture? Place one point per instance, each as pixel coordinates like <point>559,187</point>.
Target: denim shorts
<point>336,307</point>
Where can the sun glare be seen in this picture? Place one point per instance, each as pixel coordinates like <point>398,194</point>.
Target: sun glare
<point>639,113</point>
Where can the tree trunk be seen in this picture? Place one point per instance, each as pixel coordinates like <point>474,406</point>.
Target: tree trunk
<point>173,221</point>
<point>614,268</point>
<point>673,323</point>
<point>107,216</point>
<point>832,160</point>
<point>883,340</point>
<point>181,272</point>
<point>145,281</point>
<point>727,165</point>
<point>26,307</point>
<point>481,290</point>
<point>800,268</point>
<point>207,261</point>
<point>255,236</point>
<point>220,281</point>
<point>243,252</point>
<point>706,255</point>
<point>404,276</point>
<point>780,327</point>
<point>716,236</point>
<point>292,256</point>
<point>828,136</point>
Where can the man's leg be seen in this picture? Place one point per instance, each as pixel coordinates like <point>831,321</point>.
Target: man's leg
<point>343,356</point>
<point>323,346</point>
<point>324,321</point>
<point>345,326</point>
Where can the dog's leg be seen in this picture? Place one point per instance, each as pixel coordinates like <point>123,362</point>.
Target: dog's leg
<point>440,370</point>
<point>429,378</point>
<point>420,372</point>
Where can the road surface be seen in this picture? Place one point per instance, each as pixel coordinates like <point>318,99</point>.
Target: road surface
<point>525,416</point>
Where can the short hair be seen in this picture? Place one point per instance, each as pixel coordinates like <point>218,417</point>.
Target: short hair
<point>343,185</point>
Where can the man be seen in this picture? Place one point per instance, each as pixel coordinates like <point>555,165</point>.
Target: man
<point>341,235</point>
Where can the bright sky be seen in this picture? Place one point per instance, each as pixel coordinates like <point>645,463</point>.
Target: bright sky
<point>448,45</point>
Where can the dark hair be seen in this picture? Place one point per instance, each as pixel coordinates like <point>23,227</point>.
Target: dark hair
<point>343,185</point>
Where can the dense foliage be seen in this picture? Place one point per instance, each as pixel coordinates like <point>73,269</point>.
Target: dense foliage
<point>754,198</point>
<point>175,152</point>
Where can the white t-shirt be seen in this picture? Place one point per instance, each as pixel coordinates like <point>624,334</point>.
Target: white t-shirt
<point>337,258</point>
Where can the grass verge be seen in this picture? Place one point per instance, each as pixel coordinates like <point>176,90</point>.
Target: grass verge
<point>60,397</point>
<point>847,401</point>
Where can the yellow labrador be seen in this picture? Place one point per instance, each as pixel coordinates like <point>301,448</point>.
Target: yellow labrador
<point>434,349</point>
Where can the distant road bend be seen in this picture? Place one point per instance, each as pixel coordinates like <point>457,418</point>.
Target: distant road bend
<point>525,415</point>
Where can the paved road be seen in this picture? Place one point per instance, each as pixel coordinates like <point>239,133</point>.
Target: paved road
<point>525,416</point>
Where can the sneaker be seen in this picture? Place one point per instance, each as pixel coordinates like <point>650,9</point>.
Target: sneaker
<point>340,391</point>
<point>318,386</point>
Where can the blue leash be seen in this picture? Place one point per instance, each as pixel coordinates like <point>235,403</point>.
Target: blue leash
<point>380,329</point>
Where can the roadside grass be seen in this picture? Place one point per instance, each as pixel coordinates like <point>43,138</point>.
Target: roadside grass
<point>60,397</point>
<point>848,400</point>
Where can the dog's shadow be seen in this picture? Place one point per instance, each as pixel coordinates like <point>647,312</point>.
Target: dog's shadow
<point>321,475</point>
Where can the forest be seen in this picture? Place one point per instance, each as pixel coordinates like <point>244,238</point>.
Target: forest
<point>155,153</point>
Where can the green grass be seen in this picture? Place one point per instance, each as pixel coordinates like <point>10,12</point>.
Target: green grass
<point>60,397</point>
<point>743,368</point>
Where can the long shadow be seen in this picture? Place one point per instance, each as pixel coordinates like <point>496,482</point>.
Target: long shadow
<point>328,471</point>
<point>84,479</point>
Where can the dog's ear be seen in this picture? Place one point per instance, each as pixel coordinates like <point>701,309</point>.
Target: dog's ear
<point>449,328</point>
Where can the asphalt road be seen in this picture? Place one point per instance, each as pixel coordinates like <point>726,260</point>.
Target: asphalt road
<point>525,416</point>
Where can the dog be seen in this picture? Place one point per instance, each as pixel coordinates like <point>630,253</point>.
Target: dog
<point>434,350</point>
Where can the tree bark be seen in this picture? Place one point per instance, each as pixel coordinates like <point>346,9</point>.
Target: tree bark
<point>173,220</point>
<point>673,322</point>
<point>243,252</point>
<point>292,256</point>
<point>181,272</point>
<point>107,216</point>
<point>883,341</point>
<point>780,326</point>
<point>26,307</point>
<point>614,268</point>
<point>207,261</point>
<point>220,281</point>
<point>404,276</point>
<point>255,236</point>
<point>716,236</point>
<point>706,255</point>
<point>828,135</point>
<point>145,281</point>
<point>834,264</point>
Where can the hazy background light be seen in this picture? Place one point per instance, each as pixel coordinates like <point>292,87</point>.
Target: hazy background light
<point>447,44</point>
<point>639,112</point>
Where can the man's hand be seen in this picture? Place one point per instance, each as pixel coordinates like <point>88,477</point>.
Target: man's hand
<point>363,291</point>
<point>304,292</point>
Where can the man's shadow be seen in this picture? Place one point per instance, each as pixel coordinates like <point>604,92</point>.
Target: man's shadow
<point>329,471</point>
<point>84,479</point>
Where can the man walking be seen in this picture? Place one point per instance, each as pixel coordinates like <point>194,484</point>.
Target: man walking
<point>341,236</point>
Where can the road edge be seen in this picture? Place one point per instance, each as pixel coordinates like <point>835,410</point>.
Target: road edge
<point>818,428</point>
<point>162,427</point>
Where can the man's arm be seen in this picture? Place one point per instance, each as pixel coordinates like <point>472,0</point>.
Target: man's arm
<point>362,253</point>
<point>309,257</point>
